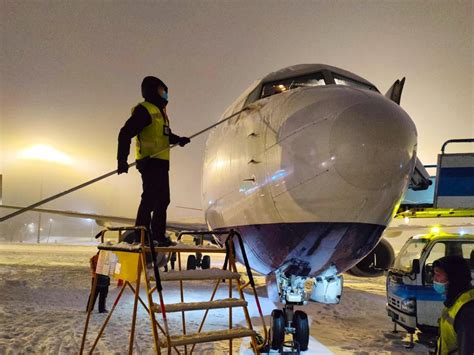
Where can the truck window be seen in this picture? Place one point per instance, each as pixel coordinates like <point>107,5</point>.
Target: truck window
<point>411,250</point>
<point>438,251</point>
<point>467,250</point>
<point>444,248</point>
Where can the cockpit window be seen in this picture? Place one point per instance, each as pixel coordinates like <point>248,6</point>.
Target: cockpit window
<point>279,86</point>
<point>342,80</point>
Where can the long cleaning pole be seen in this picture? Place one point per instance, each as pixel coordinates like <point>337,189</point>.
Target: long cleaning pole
<point>102,177</point>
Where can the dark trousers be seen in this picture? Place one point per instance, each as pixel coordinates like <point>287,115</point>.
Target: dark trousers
<point>101,290</point>
<point>155,197</point>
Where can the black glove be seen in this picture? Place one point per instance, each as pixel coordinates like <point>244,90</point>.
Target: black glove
<point>122,167</point>
<point>183,141</point>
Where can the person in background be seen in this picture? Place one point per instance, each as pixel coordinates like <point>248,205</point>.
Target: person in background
<point>452,278</point>
<point>102,287</point>
<point>150,124</point>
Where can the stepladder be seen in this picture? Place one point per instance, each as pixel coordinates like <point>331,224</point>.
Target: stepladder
<point>137,264</point>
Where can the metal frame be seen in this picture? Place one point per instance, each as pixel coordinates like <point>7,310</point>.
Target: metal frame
<point>229,265</point>
<point>439,162</point>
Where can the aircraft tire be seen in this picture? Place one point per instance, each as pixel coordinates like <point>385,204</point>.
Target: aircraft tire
<point>278,329</point>
<point>301,336</point>
<point>192,262</point>
<point>206,262</point>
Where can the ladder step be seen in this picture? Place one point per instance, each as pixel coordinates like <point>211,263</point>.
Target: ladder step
<point>209,274</point>
<point>196,306</point>
<point>204,337</point>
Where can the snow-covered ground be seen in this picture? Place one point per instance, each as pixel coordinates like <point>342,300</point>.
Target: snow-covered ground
<point>44,290</point>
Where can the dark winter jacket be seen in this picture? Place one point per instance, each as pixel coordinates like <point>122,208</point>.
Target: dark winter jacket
<point>140,118</point>
<point>459,281</point>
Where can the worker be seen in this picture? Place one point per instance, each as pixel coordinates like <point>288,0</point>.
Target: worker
<point>149,123</point>
<point>452,278</point>
<point>101,289</point>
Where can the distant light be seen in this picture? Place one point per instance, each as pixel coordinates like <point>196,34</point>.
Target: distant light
<point>51,220</point>
<point>31,227</point>
<point>462,232</point>
<point>45,153</point>
<point>406,219</point>
<point>220,163</point>
<point>435,230</point>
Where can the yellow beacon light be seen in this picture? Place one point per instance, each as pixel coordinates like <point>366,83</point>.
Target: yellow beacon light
<point>435,230</point>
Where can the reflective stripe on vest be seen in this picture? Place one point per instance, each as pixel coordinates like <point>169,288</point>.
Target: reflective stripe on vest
<point>447,341</point>
<point>152,139</point>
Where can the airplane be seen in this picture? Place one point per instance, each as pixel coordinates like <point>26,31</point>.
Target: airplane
<point>310,174</point>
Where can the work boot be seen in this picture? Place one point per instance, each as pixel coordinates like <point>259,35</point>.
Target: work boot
<point>166,242</point>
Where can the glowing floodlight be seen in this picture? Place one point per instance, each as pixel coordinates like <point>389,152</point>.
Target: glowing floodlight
<point>435,230</point>
<point>45,153</point>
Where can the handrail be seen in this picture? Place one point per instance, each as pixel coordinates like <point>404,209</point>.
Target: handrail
<point>244,256</point>
<point>233,233</point>
<point>104,176</point>
<point>460,140</point>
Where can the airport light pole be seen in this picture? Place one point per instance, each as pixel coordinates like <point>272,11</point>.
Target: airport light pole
<point>43,154</point>
<point>38,238</point>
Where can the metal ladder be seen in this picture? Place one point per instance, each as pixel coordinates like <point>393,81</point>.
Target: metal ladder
<point>228,274</point>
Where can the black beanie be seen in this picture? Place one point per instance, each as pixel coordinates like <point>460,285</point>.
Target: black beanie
<point>459,274</point>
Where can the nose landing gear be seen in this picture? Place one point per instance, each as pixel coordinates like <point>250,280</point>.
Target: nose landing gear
<point>291,290</point>
<point>288,322</point>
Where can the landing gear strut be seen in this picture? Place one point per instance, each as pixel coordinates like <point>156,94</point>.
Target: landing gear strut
<point>287,321</point>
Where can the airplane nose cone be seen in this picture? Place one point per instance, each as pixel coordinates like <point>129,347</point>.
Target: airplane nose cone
<point>373,143</point>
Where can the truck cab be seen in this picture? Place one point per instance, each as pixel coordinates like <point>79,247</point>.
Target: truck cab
<point>411,300</point>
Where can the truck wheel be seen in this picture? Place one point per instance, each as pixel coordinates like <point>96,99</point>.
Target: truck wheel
<point>301,336</point>
<point>278,329</point>
<point>192,262</point>
<point>206,262</point>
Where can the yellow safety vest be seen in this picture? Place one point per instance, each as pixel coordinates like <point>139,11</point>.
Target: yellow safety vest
<point>447,340</point>
<point>154,138</point>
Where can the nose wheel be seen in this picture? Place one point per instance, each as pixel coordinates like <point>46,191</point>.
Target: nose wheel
<point>301,334</point>
<point>277,331</point>
<point>286,322</point>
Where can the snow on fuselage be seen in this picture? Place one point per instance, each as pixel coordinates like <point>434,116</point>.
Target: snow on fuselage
<point>310,176</point>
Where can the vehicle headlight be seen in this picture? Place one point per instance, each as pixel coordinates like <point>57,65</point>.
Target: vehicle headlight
<point>408,305</point>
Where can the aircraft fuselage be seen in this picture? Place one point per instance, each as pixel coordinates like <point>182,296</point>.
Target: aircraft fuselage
<point>310,176</point>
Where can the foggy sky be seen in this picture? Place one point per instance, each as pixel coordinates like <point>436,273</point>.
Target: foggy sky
<point>71,72</point>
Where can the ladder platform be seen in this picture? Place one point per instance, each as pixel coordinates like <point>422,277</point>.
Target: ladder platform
<point>208,274</point>
<point>204,337</point>
<point>183,248</point>
<point>188,248</point>
<point>197,306</point>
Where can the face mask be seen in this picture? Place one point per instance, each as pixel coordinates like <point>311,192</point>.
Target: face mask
<point>164,95</point>
<point>440,287</point>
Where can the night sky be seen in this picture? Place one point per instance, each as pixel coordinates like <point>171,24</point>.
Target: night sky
<point>71,72</point>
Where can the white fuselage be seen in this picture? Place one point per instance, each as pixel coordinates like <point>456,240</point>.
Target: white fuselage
<point>300,169</point>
